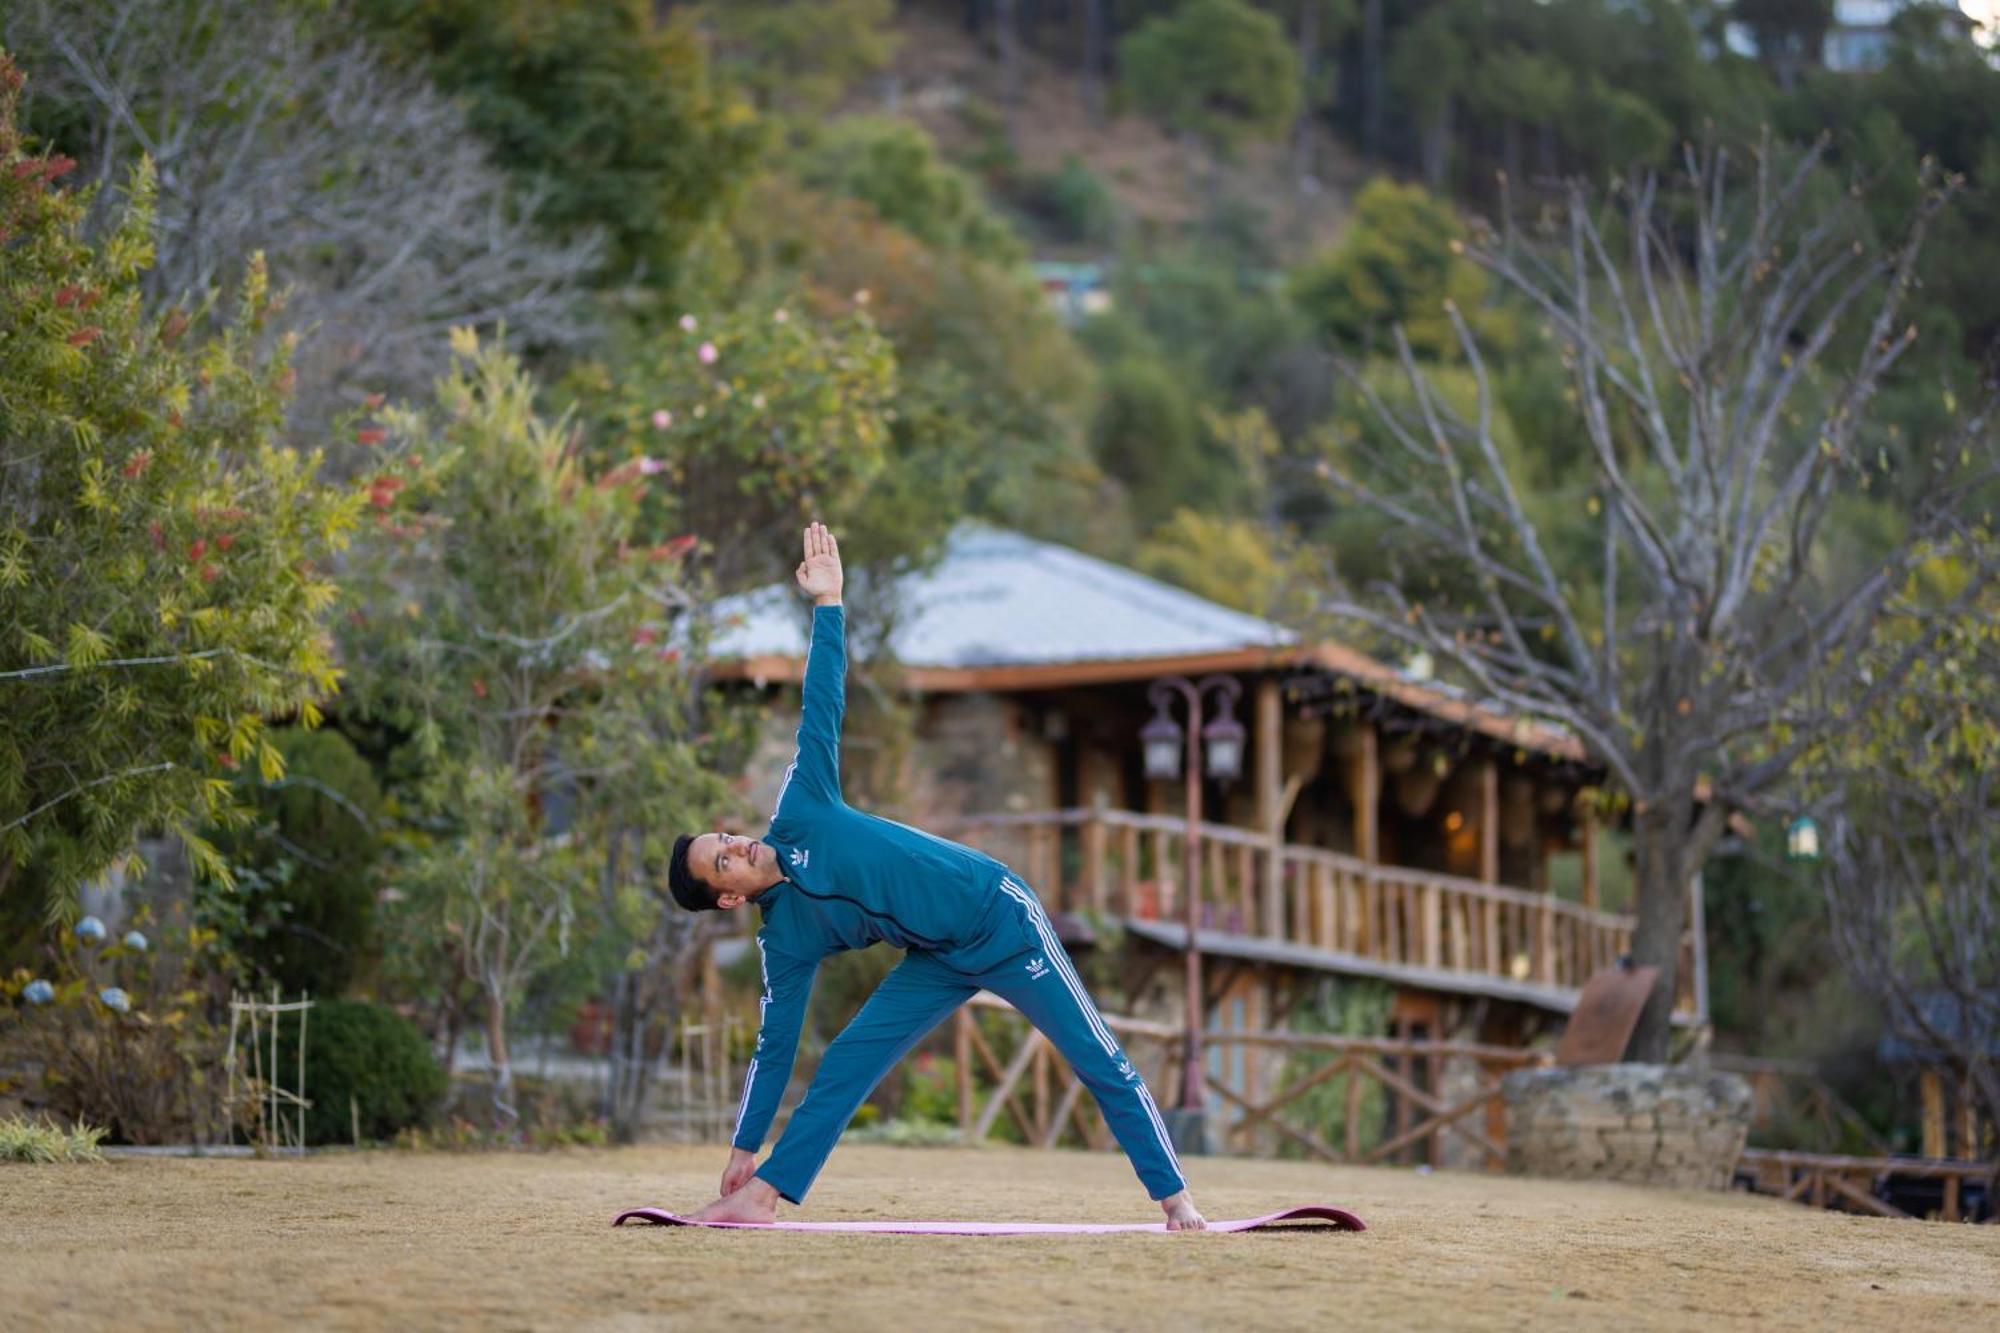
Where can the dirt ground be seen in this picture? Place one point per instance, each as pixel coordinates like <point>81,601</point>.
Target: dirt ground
<point>504,1241</point>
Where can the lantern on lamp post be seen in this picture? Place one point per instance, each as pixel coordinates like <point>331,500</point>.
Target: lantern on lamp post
<point>1162,740</point>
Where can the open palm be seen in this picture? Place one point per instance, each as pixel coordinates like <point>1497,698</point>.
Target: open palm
<point>819,573</point>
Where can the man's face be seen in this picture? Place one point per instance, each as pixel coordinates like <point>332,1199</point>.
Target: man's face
<point>734,866</point>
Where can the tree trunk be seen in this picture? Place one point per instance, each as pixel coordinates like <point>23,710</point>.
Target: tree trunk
<point>1660,909</point>
<point>1437,148</point>
<point>1371,78</point>
<point>1093,59</point>
<point>1010,64</point>
<point>496,1054</point>
<point>1308,66</point>
<point>1671,840</point>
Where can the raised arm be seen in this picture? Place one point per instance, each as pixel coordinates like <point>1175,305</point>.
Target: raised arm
<point>816,771</point>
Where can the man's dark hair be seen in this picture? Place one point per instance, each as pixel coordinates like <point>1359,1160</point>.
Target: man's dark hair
<point>689,891</point>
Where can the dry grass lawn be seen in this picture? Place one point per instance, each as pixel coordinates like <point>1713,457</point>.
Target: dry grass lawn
<point>506,1241</point>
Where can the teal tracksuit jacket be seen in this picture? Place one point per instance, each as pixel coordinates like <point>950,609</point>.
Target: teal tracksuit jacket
<point>965,922</point>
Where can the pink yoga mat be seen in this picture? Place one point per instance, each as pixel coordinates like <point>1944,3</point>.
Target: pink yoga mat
<point>1309,1213</point>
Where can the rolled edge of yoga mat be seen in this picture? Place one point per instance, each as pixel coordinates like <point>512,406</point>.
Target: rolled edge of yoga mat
<point>1312,1212</point>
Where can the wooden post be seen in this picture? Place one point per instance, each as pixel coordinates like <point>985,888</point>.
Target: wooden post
<point>1365,793</point>
<point>1270,779</point>
<point>1246,892</point>
<point>1968,1123</point>
<point>962,1057</point>
<point>1590,855</point>
<point>1093,856</point>
<point>1255,1019</point>
<point>1489,821</point>
<point>1353,1077</point>
<point>1496,1119</point>
<point>1932,1088</point>
<point>1430,923</point>
<point>1041,1111</point>
<point>1545,941</point>
<point>1214,881</point>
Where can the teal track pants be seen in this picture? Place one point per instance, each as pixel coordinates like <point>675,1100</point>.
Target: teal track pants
<point>919,994</point>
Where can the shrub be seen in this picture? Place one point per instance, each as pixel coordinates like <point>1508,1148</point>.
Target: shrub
<point>1074,201</point>
<point>122,1032</point>
<point>25,1140</point>
<point>364,1062</point>
<point>930,1090</point>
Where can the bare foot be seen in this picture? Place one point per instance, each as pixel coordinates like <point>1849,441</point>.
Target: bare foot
<point>1182,1214</point>
<point>755,1202</point>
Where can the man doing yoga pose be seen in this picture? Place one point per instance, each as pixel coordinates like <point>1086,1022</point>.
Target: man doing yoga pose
<point>829,877</point>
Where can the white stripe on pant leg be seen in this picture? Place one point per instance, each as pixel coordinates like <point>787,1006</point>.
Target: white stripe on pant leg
<point>1160,1126</point>
<point>1058,959</point>
<point>1046,930</point>
<point>743,1103</point>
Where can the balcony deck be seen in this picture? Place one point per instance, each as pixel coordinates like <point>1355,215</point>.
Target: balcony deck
<point>1311,908</point>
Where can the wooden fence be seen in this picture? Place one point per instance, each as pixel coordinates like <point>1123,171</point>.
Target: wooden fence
<point>1042,1096</point>
<point>1123,863</point>
<point>1826,1180</point>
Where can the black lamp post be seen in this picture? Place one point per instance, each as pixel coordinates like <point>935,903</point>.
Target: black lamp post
<point>1162,739</point>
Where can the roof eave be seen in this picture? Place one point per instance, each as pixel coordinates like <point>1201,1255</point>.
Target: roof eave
<point>772,669</point>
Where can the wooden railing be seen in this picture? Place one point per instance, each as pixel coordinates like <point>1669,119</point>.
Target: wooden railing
<point>1122,863</point>
<point>1824,1180</point>
<point>1037,1091</point>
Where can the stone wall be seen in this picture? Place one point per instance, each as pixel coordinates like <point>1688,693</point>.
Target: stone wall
<point>1651,1124</point>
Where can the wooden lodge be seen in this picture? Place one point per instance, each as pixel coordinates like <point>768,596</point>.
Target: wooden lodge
<point>1381,827</point>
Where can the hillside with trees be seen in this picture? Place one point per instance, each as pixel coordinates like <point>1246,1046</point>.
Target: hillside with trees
<point>423,370</point>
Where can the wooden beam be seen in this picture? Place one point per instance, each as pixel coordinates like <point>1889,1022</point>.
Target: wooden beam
<point>1269,752</point>
<point>1003,1095</point>
<point>1589,819</point>
<point>1932,1088</point>
<point>1867,1202</point>
<point>1489,821</point>
<point>1306,1139</point>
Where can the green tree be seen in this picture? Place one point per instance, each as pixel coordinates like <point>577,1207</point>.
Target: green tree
<point>1219,69</point>
<point>308,866</point>
<point>1234,561</point>
<point>534,653</point>
<point>758,414</point>
<point>161,584</point>
<point>1788,33</point>
<point>800,57</point>
<point>1148,434</point>
<point>609,110</point>
<point>894,167</point>
<point>1396,266</point>
<point>992,390</point>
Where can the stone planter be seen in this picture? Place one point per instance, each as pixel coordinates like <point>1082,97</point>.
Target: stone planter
<point>1650,1124</point>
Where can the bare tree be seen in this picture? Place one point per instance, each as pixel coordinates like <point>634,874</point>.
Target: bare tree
<point>1725,337</point>
<point>375,205</point>
<point>1912,886</point>
<point>652,989</point>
